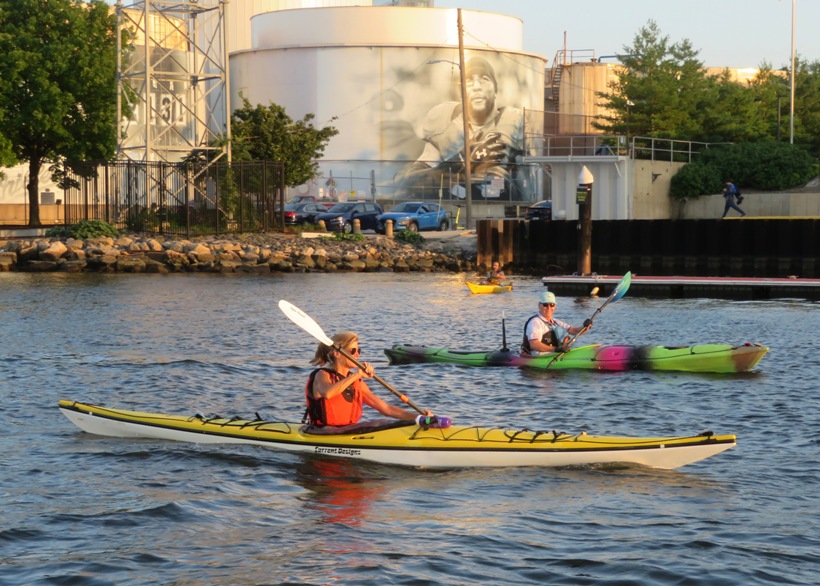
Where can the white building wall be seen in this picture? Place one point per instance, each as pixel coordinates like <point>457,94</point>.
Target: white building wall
<point>611,191</point>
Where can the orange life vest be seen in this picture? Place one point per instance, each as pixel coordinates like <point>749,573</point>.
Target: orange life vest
<point>343,409</point>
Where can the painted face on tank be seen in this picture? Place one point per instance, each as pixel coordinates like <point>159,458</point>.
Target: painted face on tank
<point>481,94</point>
<point>481,89</point>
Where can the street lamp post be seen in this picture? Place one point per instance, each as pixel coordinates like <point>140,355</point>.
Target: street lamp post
<point>791,107</point>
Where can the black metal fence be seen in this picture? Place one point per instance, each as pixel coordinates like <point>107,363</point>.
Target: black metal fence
<point>178,199</point>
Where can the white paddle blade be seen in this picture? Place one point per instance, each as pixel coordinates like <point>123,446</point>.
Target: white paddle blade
<point>304,321</point>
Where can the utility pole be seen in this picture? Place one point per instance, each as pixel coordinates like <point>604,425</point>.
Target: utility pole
<point>465,107</point>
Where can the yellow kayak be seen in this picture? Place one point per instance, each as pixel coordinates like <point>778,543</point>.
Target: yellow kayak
<point>476,288</point>
<point>404,443</point>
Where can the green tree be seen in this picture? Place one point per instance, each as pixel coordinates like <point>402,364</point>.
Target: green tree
<point>809,106</point>
<point>658,91</point>
<point>772,94</point>
<point>7,158</point>
<point>58,85</point>
<point>268,133</point>
<point>664,91</point>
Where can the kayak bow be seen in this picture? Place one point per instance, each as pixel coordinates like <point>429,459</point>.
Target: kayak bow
<point>407,445</point>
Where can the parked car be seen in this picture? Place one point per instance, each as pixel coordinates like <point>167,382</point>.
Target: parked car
<point>301,199</point>
<point>539,211</point>
<point>340,217</point>
<point>302,213</point>
<point>416,216</point>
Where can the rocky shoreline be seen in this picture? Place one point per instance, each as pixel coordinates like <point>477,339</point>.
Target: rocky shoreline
<point>238,253</point>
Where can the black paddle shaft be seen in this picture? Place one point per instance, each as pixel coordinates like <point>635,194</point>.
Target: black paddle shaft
<point>381,381</point>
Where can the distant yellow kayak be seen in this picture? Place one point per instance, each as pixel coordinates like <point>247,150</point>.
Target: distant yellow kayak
<point>484,288</point>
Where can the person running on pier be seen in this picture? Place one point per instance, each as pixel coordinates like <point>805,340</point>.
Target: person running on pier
<point>729,194</point>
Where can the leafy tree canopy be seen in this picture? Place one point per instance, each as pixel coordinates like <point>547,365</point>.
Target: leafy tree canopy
<point>58,86</point>
<point>268,133</point>
<point>664,91</point>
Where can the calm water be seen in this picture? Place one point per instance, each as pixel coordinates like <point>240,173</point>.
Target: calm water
<point>80,509</point>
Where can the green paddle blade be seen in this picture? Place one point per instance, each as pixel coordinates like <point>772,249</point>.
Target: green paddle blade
<point>622,287</point>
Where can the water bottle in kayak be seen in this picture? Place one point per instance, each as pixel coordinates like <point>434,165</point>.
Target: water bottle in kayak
<point>433,421</point>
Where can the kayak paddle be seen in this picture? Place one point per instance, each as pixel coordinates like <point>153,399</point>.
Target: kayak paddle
<point>304,321</point>
<point>618,292</point>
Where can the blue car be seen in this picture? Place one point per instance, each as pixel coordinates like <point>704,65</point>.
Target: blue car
<point>340,217</point>
<point>416,216</point>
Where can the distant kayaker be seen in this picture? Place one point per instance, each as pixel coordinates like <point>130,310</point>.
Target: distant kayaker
<point>496,275</point>
<point>543,334</point>
<point>335,391</point>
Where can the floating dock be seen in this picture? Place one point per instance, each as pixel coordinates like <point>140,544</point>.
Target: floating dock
<point>688,287</point>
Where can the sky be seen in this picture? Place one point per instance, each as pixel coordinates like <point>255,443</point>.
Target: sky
<point>728,33</point>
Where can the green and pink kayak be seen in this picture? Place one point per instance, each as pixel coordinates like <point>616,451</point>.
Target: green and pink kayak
<point>718,358</point>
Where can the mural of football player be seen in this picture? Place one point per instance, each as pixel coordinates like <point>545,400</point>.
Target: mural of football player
<point>496,133</point>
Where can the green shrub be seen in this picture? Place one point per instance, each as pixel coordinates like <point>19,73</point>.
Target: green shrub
<point>761,165</point>
<point>84,229</point>
<point>695,179</point>
<point>350,237</point>
<point>57,232</point>
<point>409,237</point>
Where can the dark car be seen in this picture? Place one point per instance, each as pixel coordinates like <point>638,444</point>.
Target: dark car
<point>302,213</point>
<point>340,217</point>
<point>539,211</point>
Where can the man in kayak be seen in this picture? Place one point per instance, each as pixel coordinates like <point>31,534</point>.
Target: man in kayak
<point>496,275</point>
<point>543,334</point>
<point>335,391</point>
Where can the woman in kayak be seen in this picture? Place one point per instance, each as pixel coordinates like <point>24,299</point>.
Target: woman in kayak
<point>543,334</point>
<point>335,391</point>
